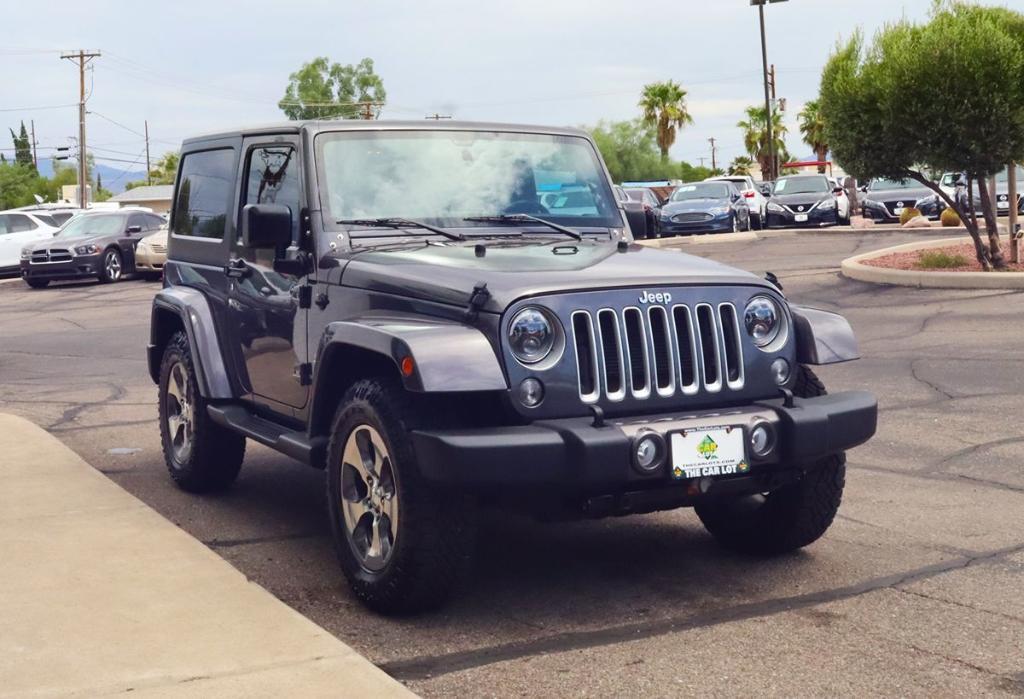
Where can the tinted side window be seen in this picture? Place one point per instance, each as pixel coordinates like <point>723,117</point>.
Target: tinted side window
<point>3,225</point>
<point>153,223</point>
<point>272,177</point>
<point>16,223</point>
<point>204,194</point>
<point>138,220</point>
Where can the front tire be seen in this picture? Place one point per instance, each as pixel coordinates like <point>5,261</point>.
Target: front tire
<point>111,267</point>
<point>201,456</point>
<point>789,518</point>
<point>38,283</point>
<point>402,542</point>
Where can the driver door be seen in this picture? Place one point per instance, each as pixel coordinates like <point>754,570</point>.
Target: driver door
<point>269,325</point>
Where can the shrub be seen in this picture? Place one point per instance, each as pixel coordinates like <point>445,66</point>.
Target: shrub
<point>909,213</point>
<point>949,218</point>
<point>940,259</point>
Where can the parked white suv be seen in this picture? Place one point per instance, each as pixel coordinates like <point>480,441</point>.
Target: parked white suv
<point>757,201</point>
<point>18,229</point>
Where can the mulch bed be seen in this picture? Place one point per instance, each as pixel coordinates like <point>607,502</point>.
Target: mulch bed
<point>910,261</point>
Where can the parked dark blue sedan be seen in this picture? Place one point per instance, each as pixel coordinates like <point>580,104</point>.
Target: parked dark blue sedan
<point>705,207</point>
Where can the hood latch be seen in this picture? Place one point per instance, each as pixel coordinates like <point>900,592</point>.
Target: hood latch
<point>476,301</point>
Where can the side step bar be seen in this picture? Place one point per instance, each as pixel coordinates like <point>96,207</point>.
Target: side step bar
<point>297,445</point>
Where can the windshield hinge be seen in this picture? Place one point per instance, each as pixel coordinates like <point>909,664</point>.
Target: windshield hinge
<point>305,296</point>
<point>476,300</point>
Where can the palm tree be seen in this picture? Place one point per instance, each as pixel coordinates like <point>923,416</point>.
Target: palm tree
<point>812,127</point>
<point>741,165</point>
<point>664,107</point>
<point>755,137</point>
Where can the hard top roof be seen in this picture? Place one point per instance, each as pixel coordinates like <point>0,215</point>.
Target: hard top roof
<point>315,127</point>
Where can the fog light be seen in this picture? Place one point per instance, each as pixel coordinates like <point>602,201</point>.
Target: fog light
<point>531,392</point>
<point>648,452</point>
<point>780,371</point>
<point>762,439</point>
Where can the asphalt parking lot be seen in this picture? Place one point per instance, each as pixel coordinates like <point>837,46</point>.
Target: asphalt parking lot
<point>916,590</point>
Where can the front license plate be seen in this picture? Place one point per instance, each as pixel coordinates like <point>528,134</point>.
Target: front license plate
<point>898,210</point>
<point>710,451</point>
<point>800,218</point>
<point>1004,205</point>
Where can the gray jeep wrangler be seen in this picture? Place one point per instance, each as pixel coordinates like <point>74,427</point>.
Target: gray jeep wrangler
<point>454,315</point>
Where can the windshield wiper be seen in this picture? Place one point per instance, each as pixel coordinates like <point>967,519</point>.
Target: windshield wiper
<point>526,218</point>
<point>393,222</point>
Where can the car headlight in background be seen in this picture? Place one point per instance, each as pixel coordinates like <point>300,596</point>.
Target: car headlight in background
<point>26,254</point>
<point>772,206</point>
<point>87,249</point>
<point>719,211</point>
<point>763,320</point>
<point>827,205</point>
<point>532,335</point>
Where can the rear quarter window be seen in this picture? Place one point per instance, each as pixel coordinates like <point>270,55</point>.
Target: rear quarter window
<point>203,199</point>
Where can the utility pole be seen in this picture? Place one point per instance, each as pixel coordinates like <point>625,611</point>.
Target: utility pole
<point>714,162</point>
<point>1011,181</point>
<point>367,109</point>
<point>82,58</point>
<point>767,97</point>
<point>35,160</point>
<point>701,159</point>
<point>149,176</point>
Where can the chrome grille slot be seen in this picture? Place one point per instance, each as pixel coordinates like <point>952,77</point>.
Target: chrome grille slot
<point>637,359</point>
<point>661,343</point>
<point>586,355</point>
<point>710,356</point>
<point>687,348</point>
<point>60,255</point>
<point>611,354</point>
<point>732,350</point>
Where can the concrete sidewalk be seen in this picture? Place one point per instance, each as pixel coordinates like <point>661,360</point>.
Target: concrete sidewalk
<point>100,595</point>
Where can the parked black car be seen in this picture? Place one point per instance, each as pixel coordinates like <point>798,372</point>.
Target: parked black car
<point>803,200</point>
<point>884,199</point>
<point>95,244</point>
<point>705,207</point>
<point>933,206</point>
<point>488,351</point>
<point>652,208</point>
<point>636,216</point>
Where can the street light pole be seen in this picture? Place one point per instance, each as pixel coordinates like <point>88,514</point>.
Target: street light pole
<point>767,98</point>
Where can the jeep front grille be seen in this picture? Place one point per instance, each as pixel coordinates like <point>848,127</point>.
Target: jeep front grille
<point>663,351</point>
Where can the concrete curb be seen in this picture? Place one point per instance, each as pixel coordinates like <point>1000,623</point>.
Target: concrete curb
<point>101,595</point>
<point>853,268</point>
<point>711,238</point>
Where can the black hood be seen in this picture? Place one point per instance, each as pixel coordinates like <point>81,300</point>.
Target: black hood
<point>808,199</point>
<point>676,207</point>
<point>77,241</point>
<point>448,272</point>
<point>908,196</point>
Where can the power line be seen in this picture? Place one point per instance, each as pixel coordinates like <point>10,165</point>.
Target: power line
<point>36,109</point>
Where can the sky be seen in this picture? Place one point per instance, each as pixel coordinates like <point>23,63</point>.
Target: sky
<point>191,67</point>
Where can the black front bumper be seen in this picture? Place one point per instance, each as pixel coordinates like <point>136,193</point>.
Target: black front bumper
<point>78,267</point>
<point>573,456</point>
<point>815,218</point>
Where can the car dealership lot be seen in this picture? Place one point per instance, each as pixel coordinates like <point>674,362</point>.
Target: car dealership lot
<point>915,589</point>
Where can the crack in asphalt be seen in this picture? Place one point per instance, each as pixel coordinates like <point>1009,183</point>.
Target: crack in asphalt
<point>231,543</point>
<point>425,667</point>
<point>930,384</point>
<point>944,600</point>
<point>927,473</point>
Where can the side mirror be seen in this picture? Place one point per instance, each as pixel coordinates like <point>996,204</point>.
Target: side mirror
<point>766,190</point>
<point>134,229</point>
<point>863,188</point>
<point>266,226</point>
<point>838,190</point>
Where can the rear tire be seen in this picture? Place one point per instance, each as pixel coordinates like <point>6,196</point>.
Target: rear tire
<point>38,283</point>
<point>402,542</point>
<point>786,519</point>
<point>201,456</point>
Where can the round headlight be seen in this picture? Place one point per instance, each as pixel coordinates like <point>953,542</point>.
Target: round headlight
<point>531,335</point>
<point>763,320</point>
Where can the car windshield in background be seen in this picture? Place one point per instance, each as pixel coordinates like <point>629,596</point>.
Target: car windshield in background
<point>1004,176</point>
<point>446,176</point>
<point>704,190</point>
<point>883,183</point>
<point>802,185</point>
<point>48,220</point>
<point>92,225</point>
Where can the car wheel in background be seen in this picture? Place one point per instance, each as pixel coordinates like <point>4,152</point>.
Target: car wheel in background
<point>735,223</point>
<point>111,266</point>
<point>38,283</point>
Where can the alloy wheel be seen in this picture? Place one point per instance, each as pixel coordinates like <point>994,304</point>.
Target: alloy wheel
<point>112,266</point>
<point>369,497</point>
<point>180,416</point>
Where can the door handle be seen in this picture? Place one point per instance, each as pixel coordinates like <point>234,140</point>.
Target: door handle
<point>237,268</point>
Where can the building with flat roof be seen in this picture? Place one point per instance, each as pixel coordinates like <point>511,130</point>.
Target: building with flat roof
<point>156,197</point>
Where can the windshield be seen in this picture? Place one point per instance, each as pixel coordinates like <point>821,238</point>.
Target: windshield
<point>802,185</point>
<point>92,225</point>
<point>883,183</point>
<point>703,190</point>
<point>445,176</point>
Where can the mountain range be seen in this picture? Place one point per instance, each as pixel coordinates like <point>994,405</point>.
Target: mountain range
<point>113,179</point>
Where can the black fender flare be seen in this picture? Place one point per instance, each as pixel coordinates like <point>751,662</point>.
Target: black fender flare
<point>193,310</point>
<point>822,337</point>
<point>446,356</point>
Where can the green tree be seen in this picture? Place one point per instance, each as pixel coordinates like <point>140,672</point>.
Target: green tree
<point>22,147</point>
<point>812,128</point>
<point>164,171</point>
<point>324,90</point>
<point>741,165</point>
<point>755,138</point>
<point>879,128</point>
<point>664,109</point>
<point>18,182</point>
